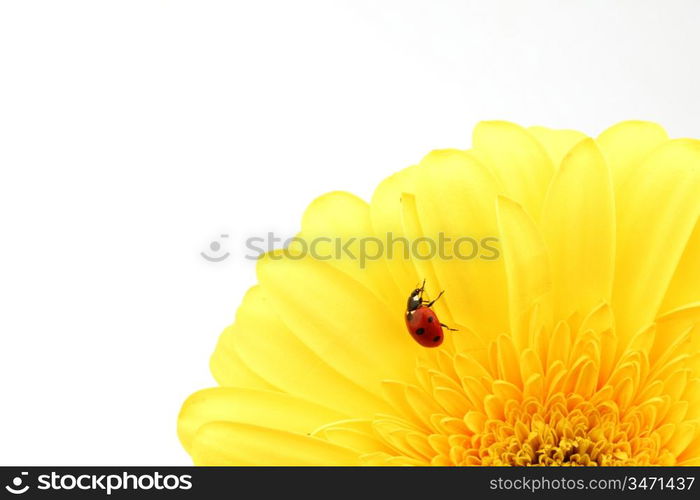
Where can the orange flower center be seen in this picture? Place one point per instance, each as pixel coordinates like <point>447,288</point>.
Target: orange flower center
<point>567,431</point>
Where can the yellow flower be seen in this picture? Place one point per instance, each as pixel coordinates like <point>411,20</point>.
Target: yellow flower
<point>578,345</point>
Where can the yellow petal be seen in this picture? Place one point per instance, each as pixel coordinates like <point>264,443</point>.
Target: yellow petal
<point>608,354</point>
<point>375,459</point>
<point>684,287</point>
<point>342,217</point>
<point>475,420</point>
<point>474,391</point>
<point>420,246</point>
<point>643,340</point>
<point>527,267</point>
<point>494,407</point>
<point>675,384</point>
<point>423,403</point>
<point>556,372</point>
<point>678,332</point>
<point>465,364</point>
<point>530,364</point>
<point>455,196</point>
<point>354,440</point>
<point>454,402</point>
<point>340,320</point>
<point>587,379</point>
<point>557,142</point>
<point>684,435</point>
<point>250,406</point>
<point>393,434</point>
<point>353,434</point>
<point>692,395</point>
<point>404,461</point>
<point>507,391</point>
<point>508,360</point>
<point>624,393</point>
<point>534,386</point>
<point>657,213</point>
<point>395,393</point>
<point>600,319</point>
<point>518,160</point>
<point>229,369</point>
<point>226,443</point>
<point>578,222</point>
<point>691,455</point>
<point>263,341</point>
<point>626,144</point>
<point>386,216</point>
<point>420,444</point>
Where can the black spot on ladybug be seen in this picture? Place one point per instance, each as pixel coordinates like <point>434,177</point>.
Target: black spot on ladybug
<point>436,338</point>
<point>430,319</point>
<point>420,331</point>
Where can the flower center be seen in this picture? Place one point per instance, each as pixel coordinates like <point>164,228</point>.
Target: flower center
<point>566,431</point>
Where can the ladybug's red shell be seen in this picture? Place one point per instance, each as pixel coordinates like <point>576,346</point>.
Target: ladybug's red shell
<point>424,326</point>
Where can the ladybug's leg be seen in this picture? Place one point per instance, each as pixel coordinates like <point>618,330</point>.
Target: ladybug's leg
<point>448,328</point>
<point>430,304</point>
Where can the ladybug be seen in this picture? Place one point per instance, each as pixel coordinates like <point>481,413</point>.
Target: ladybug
<point>422,322</point>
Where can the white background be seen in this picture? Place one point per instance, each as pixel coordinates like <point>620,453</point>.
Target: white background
<point>133,133</point>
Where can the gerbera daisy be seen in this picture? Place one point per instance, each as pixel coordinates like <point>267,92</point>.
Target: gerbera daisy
<point>578,345</point>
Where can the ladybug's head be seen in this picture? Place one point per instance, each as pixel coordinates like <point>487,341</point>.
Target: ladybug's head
<point>415,299</point>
